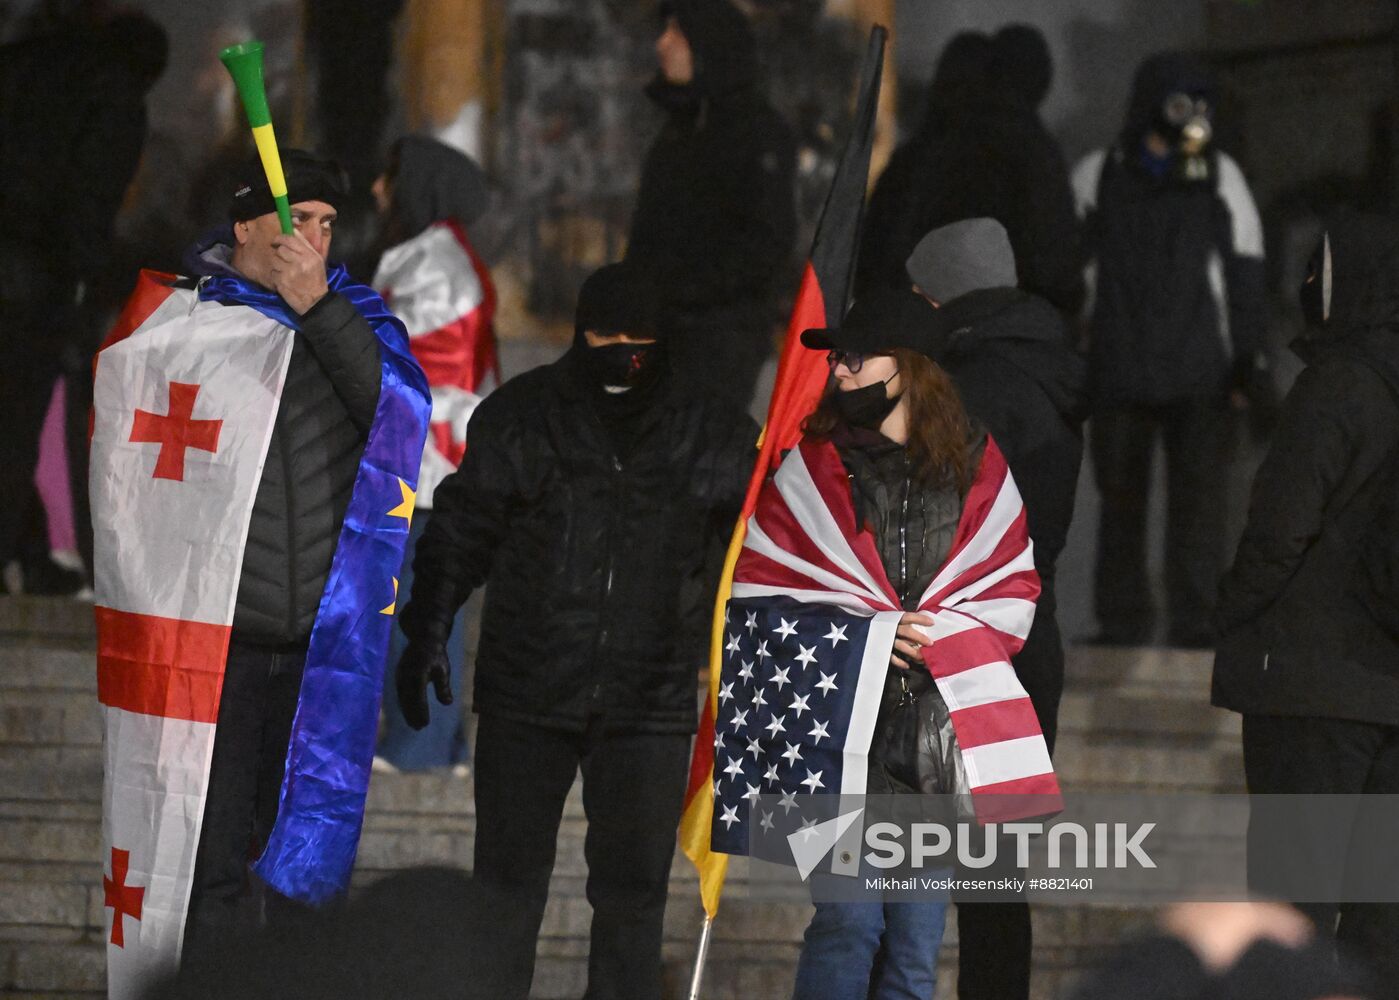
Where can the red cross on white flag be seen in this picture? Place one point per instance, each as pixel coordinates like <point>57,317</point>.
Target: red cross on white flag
<point>202,381</point>
<point>176,431</point>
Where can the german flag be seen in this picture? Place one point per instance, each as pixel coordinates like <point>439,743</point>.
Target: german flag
<point>801,377</point>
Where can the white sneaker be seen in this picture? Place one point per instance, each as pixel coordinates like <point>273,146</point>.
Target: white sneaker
<point>381,765</point>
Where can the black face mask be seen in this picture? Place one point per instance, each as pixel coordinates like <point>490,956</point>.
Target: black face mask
<point>627,365</point>
<point>866,406</point>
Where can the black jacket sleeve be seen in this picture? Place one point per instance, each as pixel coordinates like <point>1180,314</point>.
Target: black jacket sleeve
<point>1323,422</point>
<point>347,349</point>
<point>722,472</point>
<point>470,514</point>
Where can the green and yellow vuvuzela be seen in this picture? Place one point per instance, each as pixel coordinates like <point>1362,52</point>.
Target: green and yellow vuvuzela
<point>244,64</point>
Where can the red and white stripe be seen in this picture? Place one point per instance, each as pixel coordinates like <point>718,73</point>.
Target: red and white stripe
<point>438,286</point>
<point>168,554</point>
<point>803,543</point>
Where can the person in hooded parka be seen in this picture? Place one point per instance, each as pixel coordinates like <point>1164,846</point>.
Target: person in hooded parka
<point>1303,654</point>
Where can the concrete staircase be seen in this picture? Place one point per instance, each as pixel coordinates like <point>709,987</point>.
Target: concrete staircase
<point>1131,720</point>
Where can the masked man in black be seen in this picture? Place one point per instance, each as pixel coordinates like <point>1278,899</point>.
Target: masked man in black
<point>588,494</point>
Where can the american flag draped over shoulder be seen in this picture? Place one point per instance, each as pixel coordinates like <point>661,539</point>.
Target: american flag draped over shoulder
<point>811,626</point>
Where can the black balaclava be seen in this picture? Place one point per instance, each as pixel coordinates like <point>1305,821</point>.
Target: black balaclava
<point>1173,96</point>
<point>618,298</point>
<point>309,178</point>
<point>1363,250</point>
<point>432,182</point>
<point>725,54</point>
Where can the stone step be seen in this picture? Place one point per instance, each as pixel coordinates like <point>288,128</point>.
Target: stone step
<point>1098,715</point>
<point>1156,669</point>
<point>46,617</point>
<point>48,665</point>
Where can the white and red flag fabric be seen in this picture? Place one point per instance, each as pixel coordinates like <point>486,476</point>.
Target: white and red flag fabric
<point>438,286</point>
<point>811,627</point>
<point>186,393</point>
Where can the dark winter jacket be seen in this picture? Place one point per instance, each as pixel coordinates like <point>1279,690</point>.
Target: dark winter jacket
<point>1296,638</point>
<point>327,407</point>
<point>588,554</point>
<point>1178,306</point>
<point>715,213</point>
<point>1007,355</point>
<point>994,158</point>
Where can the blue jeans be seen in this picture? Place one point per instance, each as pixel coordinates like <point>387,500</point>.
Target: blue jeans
<point>842,940</point>
<point>443,742</point>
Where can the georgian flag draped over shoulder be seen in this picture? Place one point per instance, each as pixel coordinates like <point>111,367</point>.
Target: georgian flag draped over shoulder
<point>439,287</point>
<point>186,393</point>
<point>811,626</point>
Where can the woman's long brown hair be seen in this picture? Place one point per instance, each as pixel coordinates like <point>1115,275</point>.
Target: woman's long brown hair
<point>939,432</point>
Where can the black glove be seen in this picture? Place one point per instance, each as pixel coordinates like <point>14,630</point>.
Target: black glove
<point>422,662</point>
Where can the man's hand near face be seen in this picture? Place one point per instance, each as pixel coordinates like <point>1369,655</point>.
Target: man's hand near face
<point>298,272</point>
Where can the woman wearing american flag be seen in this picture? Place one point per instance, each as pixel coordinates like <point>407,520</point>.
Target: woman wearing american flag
<point>896,525</point>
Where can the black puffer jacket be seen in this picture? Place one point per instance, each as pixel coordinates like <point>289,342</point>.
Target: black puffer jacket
<point>588,556</point>
<point>328,404</point>
<point>1296,638</point>
<point>715,212</point>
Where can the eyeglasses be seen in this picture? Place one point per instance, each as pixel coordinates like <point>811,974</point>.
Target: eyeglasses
<point>853,360</point>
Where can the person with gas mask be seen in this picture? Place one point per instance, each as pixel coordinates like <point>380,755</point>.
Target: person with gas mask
<point>1309,645</point>
<point>1175,336</point>
<point>590,493</point>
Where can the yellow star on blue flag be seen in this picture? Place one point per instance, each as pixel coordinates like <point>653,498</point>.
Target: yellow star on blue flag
<point>405,506</point>
<point>392,607</point>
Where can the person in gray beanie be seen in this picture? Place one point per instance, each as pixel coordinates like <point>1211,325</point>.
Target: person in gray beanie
<point>1005,350</point>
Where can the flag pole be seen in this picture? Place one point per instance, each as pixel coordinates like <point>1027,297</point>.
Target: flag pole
<point>701,957</point>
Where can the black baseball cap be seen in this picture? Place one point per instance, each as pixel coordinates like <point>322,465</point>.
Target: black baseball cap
<point>881,321</point>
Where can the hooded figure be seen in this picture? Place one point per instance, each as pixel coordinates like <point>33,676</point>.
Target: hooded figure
<point>433,279</point>
<point>428,181</point>
<point>1308,653</point>
<point>715,215</point>
<point>1005,350</point>
<point>1175,336</point>
<point>981,151</point>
